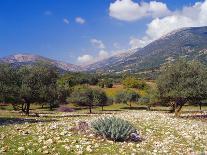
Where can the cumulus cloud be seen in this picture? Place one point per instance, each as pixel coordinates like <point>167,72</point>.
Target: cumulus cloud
<point>102,54</point>
<point>88,59</point>
<point>66,21</point>
<point>138,43</point>
<point>97,43</point>
<point>191,16</point>
<point>128,10</point>
<point>85,59</point>
<point>80,20</point>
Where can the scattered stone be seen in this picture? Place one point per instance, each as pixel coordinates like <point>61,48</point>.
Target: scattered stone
<point>48,142</point>
<point>21,149</point>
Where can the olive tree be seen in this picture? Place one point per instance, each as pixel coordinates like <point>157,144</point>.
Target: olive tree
<point>83,96</point>
<point>182,82</point>
<point>9,84</point>
<point>86,96</point>
<point>99,98</point>
<point>38,85</point>
<point>127,97</point>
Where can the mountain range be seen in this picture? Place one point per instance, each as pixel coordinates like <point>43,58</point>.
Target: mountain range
<point>190,43</point>
<point>29,59</point>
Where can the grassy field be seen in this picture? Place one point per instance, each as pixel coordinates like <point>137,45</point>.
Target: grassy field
<point>51,133</point>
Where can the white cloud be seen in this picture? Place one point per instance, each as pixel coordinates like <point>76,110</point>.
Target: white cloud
<point>138,43</point>
<point>85,59</point>
<point>102,55</point>
<point>66,21</point>
<point>191,16</point>
<point>128,10</point>
<point>88,59</point>
<point>97,43</point>
<point>80,20</point>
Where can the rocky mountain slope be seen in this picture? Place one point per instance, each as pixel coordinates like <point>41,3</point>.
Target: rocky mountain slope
<point>190,43</point>
<point>28,59</point>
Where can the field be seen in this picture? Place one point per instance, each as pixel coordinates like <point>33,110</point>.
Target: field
<point>57,133</point>
<point>52,132</point>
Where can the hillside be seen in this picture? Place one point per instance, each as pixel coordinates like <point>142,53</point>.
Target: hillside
<point>29,59</point>
<point>190,43</point>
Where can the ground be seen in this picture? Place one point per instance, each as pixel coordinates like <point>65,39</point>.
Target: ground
<point>51,133</point>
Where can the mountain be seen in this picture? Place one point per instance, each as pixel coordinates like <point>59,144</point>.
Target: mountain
<point>111,61</point>
<point>190,43</point>
<point>29,59</point>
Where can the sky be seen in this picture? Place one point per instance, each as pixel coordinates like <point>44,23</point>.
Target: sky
<point>85,31</point>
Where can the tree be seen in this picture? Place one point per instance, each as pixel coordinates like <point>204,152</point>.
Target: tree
<point>83,96</point>
<point>182,82</point>
<point>9,84</point>
<point>152,96</point>
<point>132,82</point>
<point>99,98</point>
<point>127,96</point>
<point>38,85</point>
<point>64,87</point>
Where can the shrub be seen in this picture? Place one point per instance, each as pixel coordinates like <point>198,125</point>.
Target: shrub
<point>113,128</point>
<point>132,82</point>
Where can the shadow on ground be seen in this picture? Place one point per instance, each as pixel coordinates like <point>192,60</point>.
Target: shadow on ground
<point>135,108</point>
<point>195,116</point>
<point>10,121</point>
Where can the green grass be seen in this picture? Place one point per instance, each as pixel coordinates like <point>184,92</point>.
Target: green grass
<point>160,131</point>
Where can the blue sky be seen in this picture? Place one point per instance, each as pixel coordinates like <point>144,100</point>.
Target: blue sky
<point>82,31</point>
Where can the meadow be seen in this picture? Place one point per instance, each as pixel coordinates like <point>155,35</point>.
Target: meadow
<point>52,132</point>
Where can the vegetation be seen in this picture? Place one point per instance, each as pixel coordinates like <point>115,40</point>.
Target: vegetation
<point>127,96</point>
<point>132,82</point>
<point>182,82</point>
<point>70,95</point>
<point>113,128</point>
<point>85,96</point>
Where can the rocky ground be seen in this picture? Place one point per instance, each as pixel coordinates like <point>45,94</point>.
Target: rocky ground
<point>56,133</point>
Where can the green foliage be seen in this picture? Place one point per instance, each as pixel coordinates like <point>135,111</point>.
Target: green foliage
<point>82,95</point>
<point>106,82</point>
<point>38,85</point>
<point>132,82</point>
<point>126,96</point>
<point>9,84</point>
<point>113,128</point>
<point>183,81</point>
<point>86,96</point>
<point>99,98</point>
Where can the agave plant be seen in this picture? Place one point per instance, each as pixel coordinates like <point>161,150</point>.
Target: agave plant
<point>113,128</point>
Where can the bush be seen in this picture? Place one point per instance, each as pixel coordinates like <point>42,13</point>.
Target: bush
<point>113,128</point>
<point>131,82</point>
